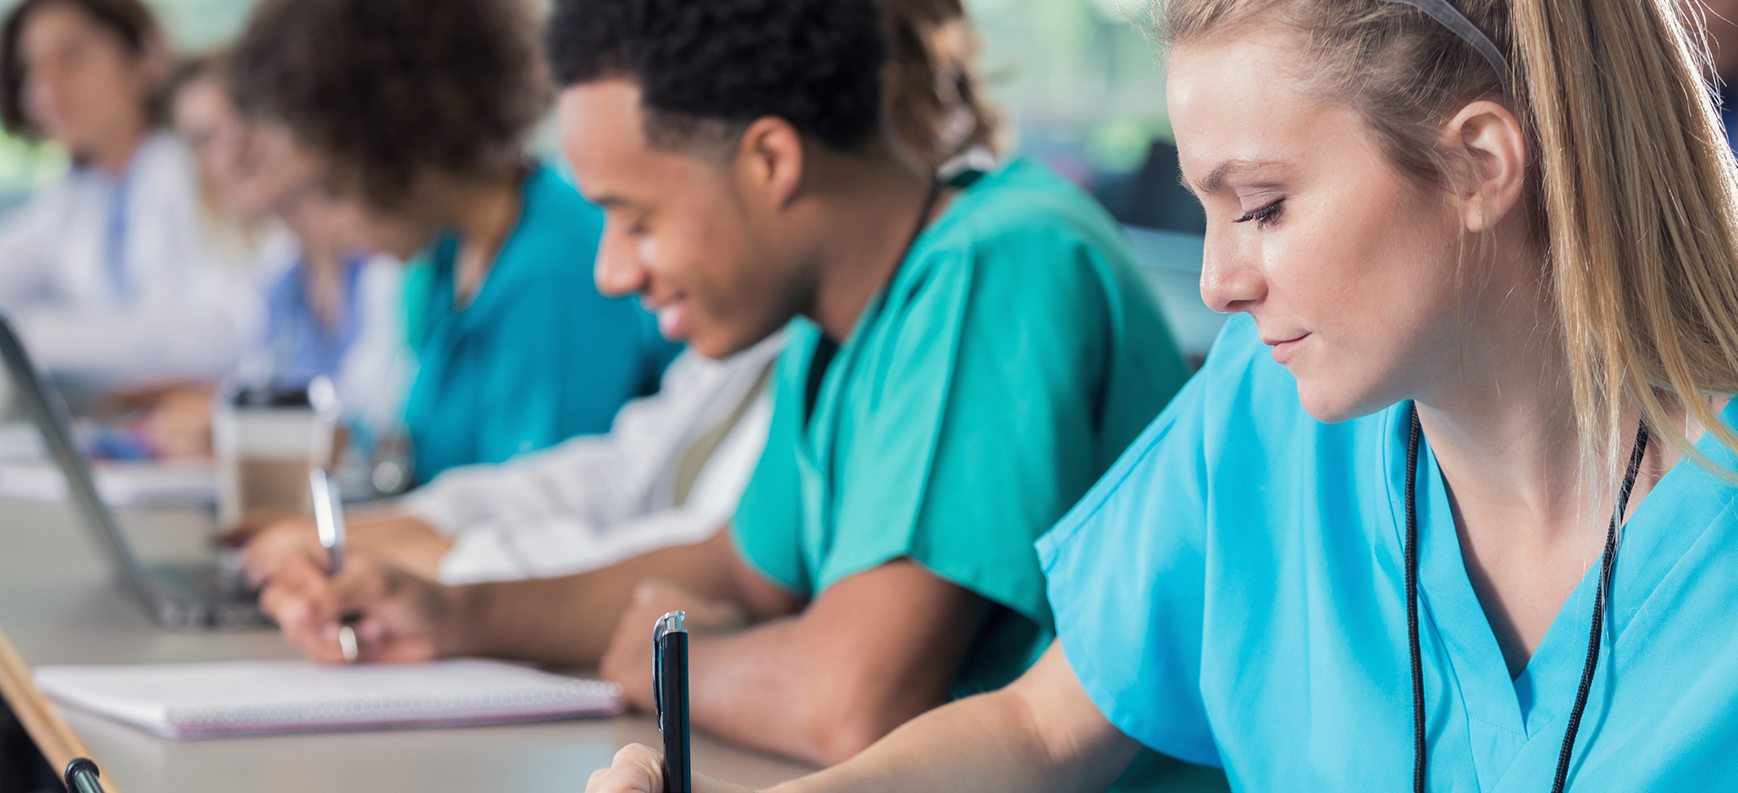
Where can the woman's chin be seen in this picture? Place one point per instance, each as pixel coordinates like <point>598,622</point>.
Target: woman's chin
<point>1331,402</point>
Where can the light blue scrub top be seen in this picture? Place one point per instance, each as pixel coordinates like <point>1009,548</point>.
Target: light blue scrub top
<point>539,355</point>
<point>1233,592</point>
<point>297,340</point>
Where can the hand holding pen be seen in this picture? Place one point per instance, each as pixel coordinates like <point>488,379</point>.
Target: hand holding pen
<point>329,522</point>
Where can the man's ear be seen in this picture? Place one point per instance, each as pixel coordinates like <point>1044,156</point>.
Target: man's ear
<point>1490,138</point>
<point>769,159</point>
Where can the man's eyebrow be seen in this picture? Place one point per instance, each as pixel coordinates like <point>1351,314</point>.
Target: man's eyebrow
<point>1216,178</point>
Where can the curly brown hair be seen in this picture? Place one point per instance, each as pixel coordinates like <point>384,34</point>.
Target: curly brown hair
<point>128,20</point>
<point>387,90</point>
<point>933,95</point>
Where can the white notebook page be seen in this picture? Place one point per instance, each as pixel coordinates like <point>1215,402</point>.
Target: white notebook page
<point>260,697</point>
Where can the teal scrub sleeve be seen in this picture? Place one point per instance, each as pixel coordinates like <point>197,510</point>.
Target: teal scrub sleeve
<point>983,432</point>
<point>1127,570</point>
<point>528,400</point>
<point>768,526</point>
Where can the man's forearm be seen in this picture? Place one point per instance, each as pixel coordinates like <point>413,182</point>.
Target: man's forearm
<point>756,688</point>
<point>868,656</point>
<point>569,620</point>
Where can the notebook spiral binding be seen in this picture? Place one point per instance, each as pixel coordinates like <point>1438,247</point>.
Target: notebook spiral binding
<point>577,691</point>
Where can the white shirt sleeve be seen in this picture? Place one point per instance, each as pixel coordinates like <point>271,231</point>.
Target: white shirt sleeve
<point>27,245</point>
<point>561,545</point>
<point>187,315</point>
<point>597,499</point>
<point>374,376</point>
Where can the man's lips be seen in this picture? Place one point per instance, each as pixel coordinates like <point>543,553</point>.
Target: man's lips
<point>670,312</point>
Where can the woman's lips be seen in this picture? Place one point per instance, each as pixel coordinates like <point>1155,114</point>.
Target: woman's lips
<point>1283,350</point>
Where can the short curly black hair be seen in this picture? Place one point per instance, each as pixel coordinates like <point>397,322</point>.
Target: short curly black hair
<point>720,64</point>
<point>385,90</point>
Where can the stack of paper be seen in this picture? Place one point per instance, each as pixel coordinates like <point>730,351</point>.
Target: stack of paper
<point>265,697</point>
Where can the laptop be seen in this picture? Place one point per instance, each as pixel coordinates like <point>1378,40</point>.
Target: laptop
<point>200,595</point>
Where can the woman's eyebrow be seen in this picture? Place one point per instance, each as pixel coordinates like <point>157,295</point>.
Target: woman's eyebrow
<point>1216,178</point>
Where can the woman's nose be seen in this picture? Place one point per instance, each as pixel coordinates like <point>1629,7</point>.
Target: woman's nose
<point>1231,280</point>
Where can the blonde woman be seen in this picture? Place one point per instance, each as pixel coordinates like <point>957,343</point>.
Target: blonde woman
<point>1451,508</point>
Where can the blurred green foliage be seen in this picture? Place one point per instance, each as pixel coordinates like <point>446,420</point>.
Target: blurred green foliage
<point>1080,78</point>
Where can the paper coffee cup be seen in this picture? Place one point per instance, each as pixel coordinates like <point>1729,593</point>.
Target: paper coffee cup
<point>265,441</point>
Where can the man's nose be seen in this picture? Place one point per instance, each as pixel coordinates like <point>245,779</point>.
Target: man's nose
<point>619,270</point>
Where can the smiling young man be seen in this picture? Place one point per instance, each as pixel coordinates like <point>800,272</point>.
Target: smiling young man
<point>963,360</point>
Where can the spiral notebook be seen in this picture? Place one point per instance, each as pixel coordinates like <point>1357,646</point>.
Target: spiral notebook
<point>271,697</point>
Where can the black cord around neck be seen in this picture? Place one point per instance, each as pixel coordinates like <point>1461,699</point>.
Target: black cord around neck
<point>1607,561</point>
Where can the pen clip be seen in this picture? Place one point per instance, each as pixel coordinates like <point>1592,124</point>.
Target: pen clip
<point>666,625</point>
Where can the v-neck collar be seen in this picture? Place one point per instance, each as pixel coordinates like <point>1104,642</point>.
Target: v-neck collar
<point>1533,705</point>
<point>821,401</point>
<point>446,248</point>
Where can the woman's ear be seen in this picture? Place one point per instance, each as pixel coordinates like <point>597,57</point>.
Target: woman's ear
<point>1495,148</point>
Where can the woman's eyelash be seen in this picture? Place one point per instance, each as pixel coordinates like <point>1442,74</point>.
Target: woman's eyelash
<point>1262,215</point>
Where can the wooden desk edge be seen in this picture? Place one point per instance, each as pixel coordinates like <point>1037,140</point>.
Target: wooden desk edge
<point>38,715</point>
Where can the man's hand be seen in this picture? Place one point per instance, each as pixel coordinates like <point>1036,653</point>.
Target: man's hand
<point>397,616</point>
<point>628,661</point>
<point>640,769</point>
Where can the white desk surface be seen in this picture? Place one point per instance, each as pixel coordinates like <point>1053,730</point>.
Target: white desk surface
<point>60,605</point>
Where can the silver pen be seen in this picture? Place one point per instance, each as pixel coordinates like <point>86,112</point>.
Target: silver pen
<point>329,522</point>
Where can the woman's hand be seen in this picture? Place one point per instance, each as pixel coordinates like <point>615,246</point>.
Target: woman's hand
<point>397,616</point>
<point>640,769</point>
<point>269,538</point>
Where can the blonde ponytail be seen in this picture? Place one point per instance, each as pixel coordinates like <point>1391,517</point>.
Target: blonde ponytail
<point>1636,188</point>
<point>1640,193</point>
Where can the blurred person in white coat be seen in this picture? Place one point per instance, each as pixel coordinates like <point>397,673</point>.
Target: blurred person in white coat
<point>106,272</point>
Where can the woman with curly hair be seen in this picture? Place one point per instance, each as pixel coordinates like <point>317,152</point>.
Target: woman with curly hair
<point>417,113</point>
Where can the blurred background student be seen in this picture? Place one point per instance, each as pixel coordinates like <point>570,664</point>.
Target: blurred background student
<point>415,117</point>
<point>331,310</point>
<point>673,466</point>
<point>106,272</point>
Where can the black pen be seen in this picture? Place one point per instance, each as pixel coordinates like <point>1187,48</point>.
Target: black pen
<point>81,776</point>
<point>670,693</point>
<point>329,522</point>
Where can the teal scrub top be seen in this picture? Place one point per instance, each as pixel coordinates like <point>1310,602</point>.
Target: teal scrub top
<point>1010,360</point>
<point>1233,592</point>
<point>539,355</point>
